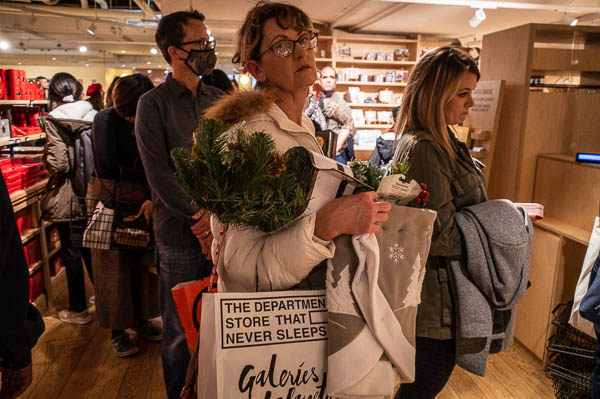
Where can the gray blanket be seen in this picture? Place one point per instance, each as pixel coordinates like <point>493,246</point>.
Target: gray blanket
<point>498,238</point>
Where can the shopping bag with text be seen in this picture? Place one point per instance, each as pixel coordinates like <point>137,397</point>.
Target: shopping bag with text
<point>263,345</point>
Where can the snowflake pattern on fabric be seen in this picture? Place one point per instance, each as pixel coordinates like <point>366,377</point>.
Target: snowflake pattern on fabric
<point>339,299</point>
<point>396,253</point>
<point>429,232</point>
<point>413,291</point>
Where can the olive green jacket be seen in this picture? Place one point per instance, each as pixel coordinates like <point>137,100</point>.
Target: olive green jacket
<point>453,184</point>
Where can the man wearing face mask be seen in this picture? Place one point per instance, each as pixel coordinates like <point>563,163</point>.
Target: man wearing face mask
<point>166,118</point>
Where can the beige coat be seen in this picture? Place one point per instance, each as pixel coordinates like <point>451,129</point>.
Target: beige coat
<point>252,260</point>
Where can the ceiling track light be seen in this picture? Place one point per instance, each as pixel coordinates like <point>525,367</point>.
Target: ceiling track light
<point>92,29</point>
<point>477,18</point>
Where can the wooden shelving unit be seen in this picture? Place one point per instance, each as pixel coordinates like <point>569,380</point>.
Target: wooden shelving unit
<point>29,198</point>
<point>360,44</point>
<point>21,139</point>
<point>540,131</point>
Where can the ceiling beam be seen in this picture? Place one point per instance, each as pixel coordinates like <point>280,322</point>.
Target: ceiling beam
<point>351,10</point>
<point>376,17</point>
<point>502,4</point>
<point>146,9</point>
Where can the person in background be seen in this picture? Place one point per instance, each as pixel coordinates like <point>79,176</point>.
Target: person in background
<point>345,141</point>
<point>69,158</point>
<point>21,324</point>
<point>166,118</point>
<point>42,81</point>
<point>324,112</point>
<point>438,95</point>
<point>385,145</point>
<point>95,96</point>
<point>220,80</point>
<point>126,291</point>
<point>276,45</point>
<point>111,87</point>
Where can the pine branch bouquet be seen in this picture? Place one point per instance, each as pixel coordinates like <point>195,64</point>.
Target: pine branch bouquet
<point>242,179</point>
<point>392,182</point>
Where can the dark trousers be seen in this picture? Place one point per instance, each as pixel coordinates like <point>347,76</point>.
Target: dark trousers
<point>73,256</point>
<point>435,360</point>
<point>176,265</point>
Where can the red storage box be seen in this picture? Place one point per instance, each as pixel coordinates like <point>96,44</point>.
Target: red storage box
<point>36,285</point>
<point>3,95</point>
<point>24,220</point>
<point>14,84</point>
<point>32,251</point>
<point>5,163</point>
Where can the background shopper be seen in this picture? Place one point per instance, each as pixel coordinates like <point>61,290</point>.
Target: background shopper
<point>166,118</point>
<point>69,158</point>
<point>126,290</point>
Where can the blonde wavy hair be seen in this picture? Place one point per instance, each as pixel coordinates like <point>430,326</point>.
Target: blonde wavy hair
<point>250,35</point>
<point>432,84</point>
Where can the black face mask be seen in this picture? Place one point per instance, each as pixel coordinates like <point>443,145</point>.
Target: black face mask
<point>201,62</point>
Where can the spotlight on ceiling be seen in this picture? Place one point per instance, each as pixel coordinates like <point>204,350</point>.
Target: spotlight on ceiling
<point>477,18</point>
<point>4,45</point>
<point>82,49</point>
<point>92,29</point>
<point>149,71</point>
<point>568,20</point>
<point>153,51</point>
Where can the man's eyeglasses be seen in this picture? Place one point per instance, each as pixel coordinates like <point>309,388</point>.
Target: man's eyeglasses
<point>201,44</point>
<point>285,48</point>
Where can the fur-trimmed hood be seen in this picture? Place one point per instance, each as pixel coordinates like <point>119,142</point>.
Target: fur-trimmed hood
<point>240,106</point>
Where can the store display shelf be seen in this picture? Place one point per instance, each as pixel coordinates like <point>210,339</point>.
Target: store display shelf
<point>350,62</point>
<point>323,59</point>
<point>559,59</point>
<point>57,280</point>
<point>363,154</point>
<point>41,303</point>
<point>366,105</point>
<point>563,86</point>
<point>29,234</point>
<point>35,267</point>
<point>53,251</point>
<point>325,37</point>
<point>573,233</point>
<point>382,84</point>
<point>374,126</point>
<point>29,191</point>
<point>374,40</point>
<point>23,102</point>
<point>21,139</point>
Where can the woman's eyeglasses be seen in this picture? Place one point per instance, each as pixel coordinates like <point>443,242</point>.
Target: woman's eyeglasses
<point>285,48</point>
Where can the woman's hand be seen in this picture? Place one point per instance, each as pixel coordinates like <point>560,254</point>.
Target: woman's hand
<point>146,210</point>
<point>352,214</point>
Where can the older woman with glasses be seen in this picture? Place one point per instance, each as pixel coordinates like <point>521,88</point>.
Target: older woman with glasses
<point>276,45</point>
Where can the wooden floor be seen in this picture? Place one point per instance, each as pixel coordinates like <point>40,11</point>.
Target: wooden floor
<point>72,361</point>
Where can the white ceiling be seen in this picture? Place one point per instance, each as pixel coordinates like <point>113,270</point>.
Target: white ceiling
<point>38,32</point>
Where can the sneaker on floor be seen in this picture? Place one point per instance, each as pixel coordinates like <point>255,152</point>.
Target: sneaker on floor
<point>123,345</point>
<point>92,300</point>
<point>149,331</point>
<point>74,317</point>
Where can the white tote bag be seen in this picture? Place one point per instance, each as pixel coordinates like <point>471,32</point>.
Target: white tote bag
<point>98,232</point>
<point>264,344</point>
<point>584,280</point>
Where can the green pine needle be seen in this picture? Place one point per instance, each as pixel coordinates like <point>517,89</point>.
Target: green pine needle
<point>241,178</point>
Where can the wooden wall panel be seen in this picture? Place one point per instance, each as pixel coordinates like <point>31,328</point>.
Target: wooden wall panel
<point>533,312</point>
<point>569,191</point>
<point>508,59</point>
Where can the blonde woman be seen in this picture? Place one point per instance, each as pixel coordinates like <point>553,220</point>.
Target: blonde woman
<point>276,45</point>
<point>438,95</point>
